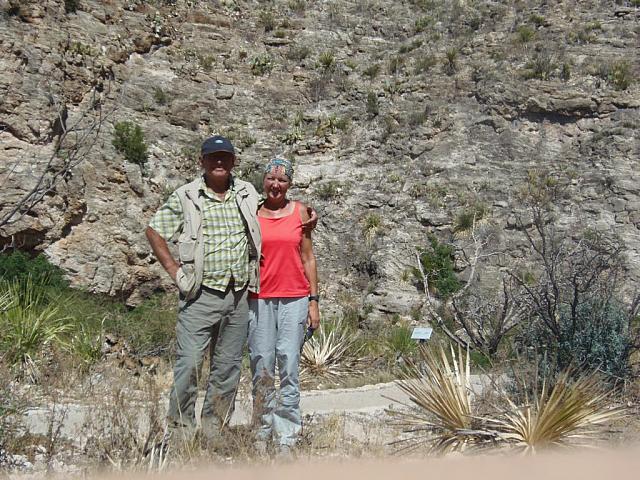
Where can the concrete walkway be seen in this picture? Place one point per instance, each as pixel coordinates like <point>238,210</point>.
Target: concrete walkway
<point>368,399</point>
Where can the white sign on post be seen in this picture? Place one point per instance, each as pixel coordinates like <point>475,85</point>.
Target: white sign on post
<point>422,334</point>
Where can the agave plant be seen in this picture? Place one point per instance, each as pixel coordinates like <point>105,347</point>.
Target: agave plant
<point>331,353</point>
<point>571,411</point>
<point>442,415</point>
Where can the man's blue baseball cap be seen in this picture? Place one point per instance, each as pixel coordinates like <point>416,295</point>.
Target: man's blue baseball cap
<point>217,143</point>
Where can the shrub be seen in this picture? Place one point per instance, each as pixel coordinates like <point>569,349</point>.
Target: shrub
<point>468,218</point>
<point>371,226</point>
<point>293,135</point>
<point>411,46</point>
<point>14,9</point>
<point>328,190</point>
<point>261,64</point>
<point>18,265</point>
<point>399,342</point>
<point>267,20</point>
<point>422,23</point>
<point>594,337</point>
<point>540,67</point>
<point>417,118</point>
<point>437,262</point>
<point>331,353</point>
<point>395,64</point>
<point>372,70</point>
<point>129,140</point>
<point>373,106</point>
<point>617,74</point>
<point>160,96</point>
<point>297,6</point>
<point>525,33</point>
<point>327,61</point>
<point>423,64</point>
<point>537,20</point>
<point>298,52</point>
<point>71,6</point>
<point>206,62</point>
<point>451,61</point>
<point>29,324</point>
<point>565,73</point>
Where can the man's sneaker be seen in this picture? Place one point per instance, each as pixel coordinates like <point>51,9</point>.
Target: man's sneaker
<point>285,453</point>
<point>210,430</point>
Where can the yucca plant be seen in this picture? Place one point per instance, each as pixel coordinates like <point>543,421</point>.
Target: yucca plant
<point>442,416</point>
<point>28,324</point>
<point>331,353</point>
<point>571,411</point>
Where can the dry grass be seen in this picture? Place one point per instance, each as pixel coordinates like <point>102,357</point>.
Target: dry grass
<point>332,353</point>
<point>569,413</point>
<point>445,419</point>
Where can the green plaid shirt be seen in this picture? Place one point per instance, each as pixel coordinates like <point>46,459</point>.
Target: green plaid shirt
<point>226,247</point>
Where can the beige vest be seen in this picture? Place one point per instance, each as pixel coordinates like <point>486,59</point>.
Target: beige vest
<point>190,241</point>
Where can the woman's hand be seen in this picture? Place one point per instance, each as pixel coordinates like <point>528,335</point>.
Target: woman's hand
<point>309,225</point>
<point>313,318</point>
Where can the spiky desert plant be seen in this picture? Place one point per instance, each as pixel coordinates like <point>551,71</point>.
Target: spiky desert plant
<point>28,323</point>
<point>571,411</point>
<point>331,353</point>
<point>442,415</point>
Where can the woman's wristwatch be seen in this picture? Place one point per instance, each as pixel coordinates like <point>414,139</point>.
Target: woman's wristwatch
<point>314,297</point>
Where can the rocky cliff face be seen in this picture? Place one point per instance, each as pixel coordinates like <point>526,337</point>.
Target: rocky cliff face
<point>400,116</point>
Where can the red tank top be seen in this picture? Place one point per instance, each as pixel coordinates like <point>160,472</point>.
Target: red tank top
<point>281,270</point>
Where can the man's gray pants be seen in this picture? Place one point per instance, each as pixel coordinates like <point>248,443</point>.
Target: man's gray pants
<point>218,320</point>
<point>276,332</point>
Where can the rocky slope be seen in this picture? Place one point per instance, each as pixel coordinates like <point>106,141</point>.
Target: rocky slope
<point>401,116</point>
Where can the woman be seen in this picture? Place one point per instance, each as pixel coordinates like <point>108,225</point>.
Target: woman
<point>280,314</point>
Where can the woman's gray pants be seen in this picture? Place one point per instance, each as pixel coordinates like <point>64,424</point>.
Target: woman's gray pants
<point>219,321</point>
<point>276,333</point>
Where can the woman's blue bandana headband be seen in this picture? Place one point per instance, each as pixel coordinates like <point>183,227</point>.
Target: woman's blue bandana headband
<point>276,163</point>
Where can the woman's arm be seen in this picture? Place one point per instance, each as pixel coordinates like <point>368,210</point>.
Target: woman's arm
<point>310,270</point>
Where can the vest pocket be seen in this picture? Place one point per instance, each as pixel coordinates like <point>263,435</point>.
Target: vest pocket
<point>186,279</point>
<point>187,251</point>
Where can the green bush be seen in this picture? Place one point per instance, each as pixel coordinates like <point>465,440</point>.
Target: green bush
<point>540,67</point>
<point>160,96</point>
<point>372,70</point>
<point>18,265</point>
<point>424,64</point>
<point>395,64</point>
<point>595,337</point>
<point>437,263</point>
<point>618,74</point>
<point>327,61</point>
<point>297,6</point>
<point>261,64</point>
<point>267,19</point>
<point>373,106</point>
<point>451,61</point>
<point>298,52</point>
<point>29,323</point>
<point>328,190</point>
<point>525,33</point>
<point>399,342</point>
<point>537,20</point>
<point>70,6</point>
<point>129,140</point>
<point>422,23</point>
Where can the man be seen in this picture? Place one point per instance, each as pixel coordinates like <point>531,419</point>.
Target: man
<point>219,244</point>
